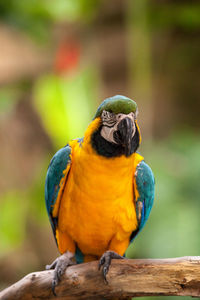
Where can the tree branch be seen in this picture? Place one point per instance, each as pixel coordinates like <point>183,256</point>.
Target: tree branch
<point>127,278</point>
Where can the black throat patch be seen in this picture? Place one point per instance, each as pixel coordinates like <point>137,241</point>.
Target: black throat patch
<point>107,149</point>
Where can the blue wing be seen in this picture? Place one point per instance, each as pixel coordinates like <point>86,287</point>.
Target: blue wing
<point>145,183</point>
<point>55,181</point>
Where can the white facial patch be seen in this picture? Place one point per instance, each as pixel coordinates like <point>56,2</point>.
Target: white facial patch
<point>110,122</point>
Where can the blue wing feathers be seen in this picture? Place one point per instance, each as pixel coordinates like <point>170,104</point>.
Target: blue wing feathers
<point>145,185</point>
<point>54,176</point>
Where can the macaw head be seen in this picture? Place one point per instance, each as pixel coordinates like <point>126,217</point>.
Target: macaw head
<point>118,132</point>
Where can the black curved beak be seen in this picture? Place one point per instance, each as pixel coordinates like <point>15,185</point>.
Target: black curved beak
<point>124,133</point>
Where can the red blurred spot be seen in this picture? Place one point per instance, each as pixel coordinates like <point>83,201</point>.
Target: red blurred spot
<point>67,57</point>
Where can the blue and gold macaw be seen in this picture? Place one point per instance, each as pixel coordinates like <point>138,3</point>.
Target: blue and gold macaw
<point>99,191</point>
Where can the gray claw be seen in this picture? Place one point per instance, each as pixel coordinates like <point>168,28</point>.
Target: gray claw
<point>105,272</point>
<point>105,262</point>
<point>59,265</point>
<point>53,285</point>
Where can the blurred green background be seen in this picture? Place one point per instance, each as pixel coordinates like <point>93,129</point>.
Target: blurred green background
<point>58,61</point>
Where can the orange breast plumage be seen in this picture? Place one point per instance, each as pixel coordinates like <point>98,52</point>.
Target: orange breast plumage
<point>98,199</point>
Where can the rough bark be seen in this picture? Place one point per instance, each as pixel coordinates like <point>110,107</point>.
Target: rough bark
<point>127,278</point>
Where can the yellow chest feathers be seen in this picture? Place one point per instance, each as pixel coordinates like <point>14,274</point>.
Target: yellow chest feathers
<point>98,199</point>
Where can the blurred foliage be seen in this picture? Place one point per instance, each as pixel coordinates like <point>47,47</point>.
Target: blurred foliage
<point>66,104</point>
<point>35,16</point>
<point>8,98</point>
<point>170,15</point>
<point>12,228</point>
<point>184,16</point>
<point>17,208</point>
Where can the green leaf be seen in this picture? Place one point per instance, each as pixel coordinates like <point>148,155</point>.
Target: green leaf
<point>66,104</point>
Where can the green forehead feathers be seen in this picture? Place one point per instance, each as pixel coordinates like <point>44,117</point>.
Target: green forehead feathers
<point>117,104</point>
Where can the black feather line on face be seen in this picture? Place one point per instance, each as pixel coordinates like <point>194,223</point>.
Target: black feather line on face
<point>108,149</point>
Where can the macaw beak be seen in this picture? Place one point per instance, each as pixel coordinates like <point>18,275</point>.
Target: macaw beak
<point>124,134</point>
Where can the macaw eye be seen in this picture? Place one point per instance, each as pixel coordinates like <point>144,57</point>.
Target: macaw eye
<point>119,116</point>
<point>104,113</point>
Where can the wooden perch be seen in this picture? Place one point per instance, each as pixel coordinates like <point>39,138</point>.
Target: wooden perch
<point>127,278</point>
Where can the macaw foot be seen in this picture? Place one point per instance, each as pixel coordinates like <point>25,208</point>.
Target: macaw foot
<point>105,262</point>
<point>59,265</point>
